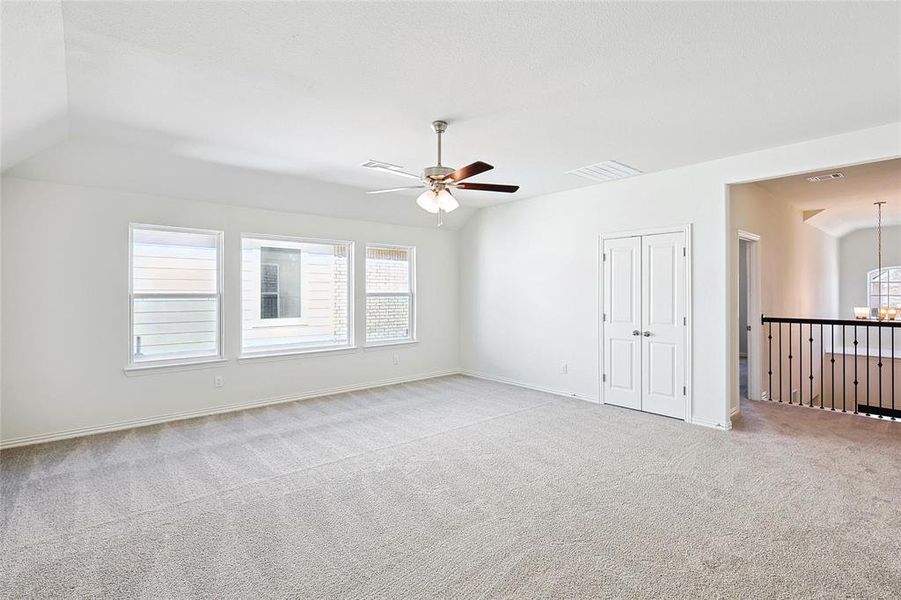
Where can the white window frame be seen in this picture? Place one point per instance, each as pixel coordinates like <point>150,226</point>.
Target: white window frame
<point>219,355</point>
<point>412,338</point>
<point>287,242</point>
<point>872,302</point>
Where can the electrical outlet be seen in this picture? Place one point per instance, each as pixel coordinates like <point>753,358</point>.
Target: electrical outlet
<point>564,369</point>
<point>396,358</point>
<point>217,381</point>
<point>764,396</point>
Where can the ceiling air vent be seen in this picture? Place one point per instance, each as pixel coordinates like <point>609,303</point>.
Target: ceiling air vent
<point>829,177</point>
<point>607,170</point>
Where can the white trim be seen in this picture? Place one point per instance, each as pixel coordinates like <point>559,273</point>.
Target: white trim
<point>292,239</point>
<point>166,367</point>
<point>711,424</point>
<point>527,386</point>
<point>179,416</point>
<point>686,231</point>
<point>748,236</point>
<point>292,353</point>
<point>377,345</point>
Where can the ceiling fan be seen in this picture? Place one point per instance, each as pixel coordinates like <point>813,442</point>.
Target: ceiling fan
<point>440,180</point>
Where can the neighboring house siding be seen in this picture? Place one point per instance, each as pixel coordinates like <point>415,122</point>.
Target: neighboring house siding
<point>323,297</point>
<point>166,326</point>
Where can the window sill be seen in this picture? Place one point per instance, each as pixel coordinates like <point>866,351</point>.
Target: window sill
<point>377,345</point>
<point>287,354</point>
<point>150,368</point>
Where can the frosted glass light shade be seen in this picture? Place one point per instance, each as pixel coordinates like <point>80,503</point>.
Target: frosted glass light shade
<point>428,202</point>
<point>447,202</point>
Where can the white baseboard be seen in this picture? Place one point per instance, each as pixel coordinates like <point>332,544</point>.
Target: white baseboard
<point>711,424</point>
<point>203,412</point>
<point>735,410</point>
<point>701,422</point>
<point>528,386</point>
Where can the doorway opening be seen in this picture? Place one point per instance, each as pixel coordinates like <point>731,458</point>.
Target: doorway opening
<point>749,329</point>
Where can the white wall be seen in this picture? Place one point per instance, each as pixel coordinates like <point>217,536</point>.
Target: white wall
<point>857,255</point>
<point>798,262</point>
<point>529,301</point>
<point>65,311</point>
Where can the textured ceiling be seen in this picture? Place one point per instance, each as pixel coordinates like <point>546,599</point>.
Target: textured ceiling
<point>278,96</point>
<point>840,206</point>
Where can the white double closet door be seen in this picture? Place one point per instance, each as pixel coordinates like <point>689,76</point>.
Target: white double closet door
<point>644,323</point>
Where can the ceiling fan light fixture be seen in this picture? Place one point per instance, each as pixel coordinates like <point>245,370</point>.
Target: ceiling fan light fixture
<point>439,180</point>
<point>446,201</point>
<point>428,201</point>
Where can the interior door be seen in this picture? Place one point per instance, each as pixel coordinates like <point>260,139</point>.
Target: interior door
<point>622,326</point>
<point>662,317</point>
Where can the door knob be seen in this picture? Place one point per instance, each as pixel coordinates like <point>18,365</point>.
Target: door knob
<point>646,334</point>
<point>636,332</point>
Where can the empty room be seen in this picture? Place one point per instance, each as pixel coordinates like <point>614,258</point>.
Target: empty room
<point>450,299</point>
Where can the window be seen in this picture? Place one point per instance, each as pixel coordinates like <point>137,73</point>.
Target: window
<point>390,285</point>
<point>174,292</point>
<point>295,295</point>
<point>280,274</point>
<point>884,289</point>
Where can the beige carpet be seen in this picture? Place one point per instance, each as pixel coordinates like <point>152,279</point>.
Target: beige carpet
<point>459,488</point>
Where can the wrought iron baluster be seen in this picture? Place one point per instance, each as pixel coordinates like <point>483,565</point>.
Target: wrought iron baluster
<point>780,363</point>
<point>844,369</point>
<point>790,392</point>
<point>822,366</point>
<point>866,363</point>
<point>855,370</point>
<point>832,361</point>
<point>879,372</point>
<point>800,364</point>
<point>769,361</point>
<point>810,368</point>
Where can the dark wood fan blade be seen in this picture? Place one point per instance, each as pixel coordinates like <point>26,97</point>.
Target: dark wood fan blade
<point>489,187</point>
<point>469,170</point>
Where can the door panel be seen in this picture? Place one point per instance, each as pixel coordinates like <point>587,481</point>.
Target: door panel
<point>623,375</point>
<point>622,304</point>
<point>662,312</point>
<point>661,360</point>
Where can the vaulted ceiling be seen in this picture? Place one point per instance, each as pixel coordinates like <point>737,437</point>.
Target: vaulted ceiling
<point>840,206</point>
<point>277,104</point>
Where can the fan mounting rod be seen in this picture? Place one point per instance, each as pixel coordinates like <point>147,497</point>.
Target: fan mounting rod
<point>439,127</point>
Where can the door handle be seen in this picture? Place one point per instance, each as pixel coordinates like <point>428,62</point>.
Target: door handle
<point>636,332</point>
<point>646,334</point>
